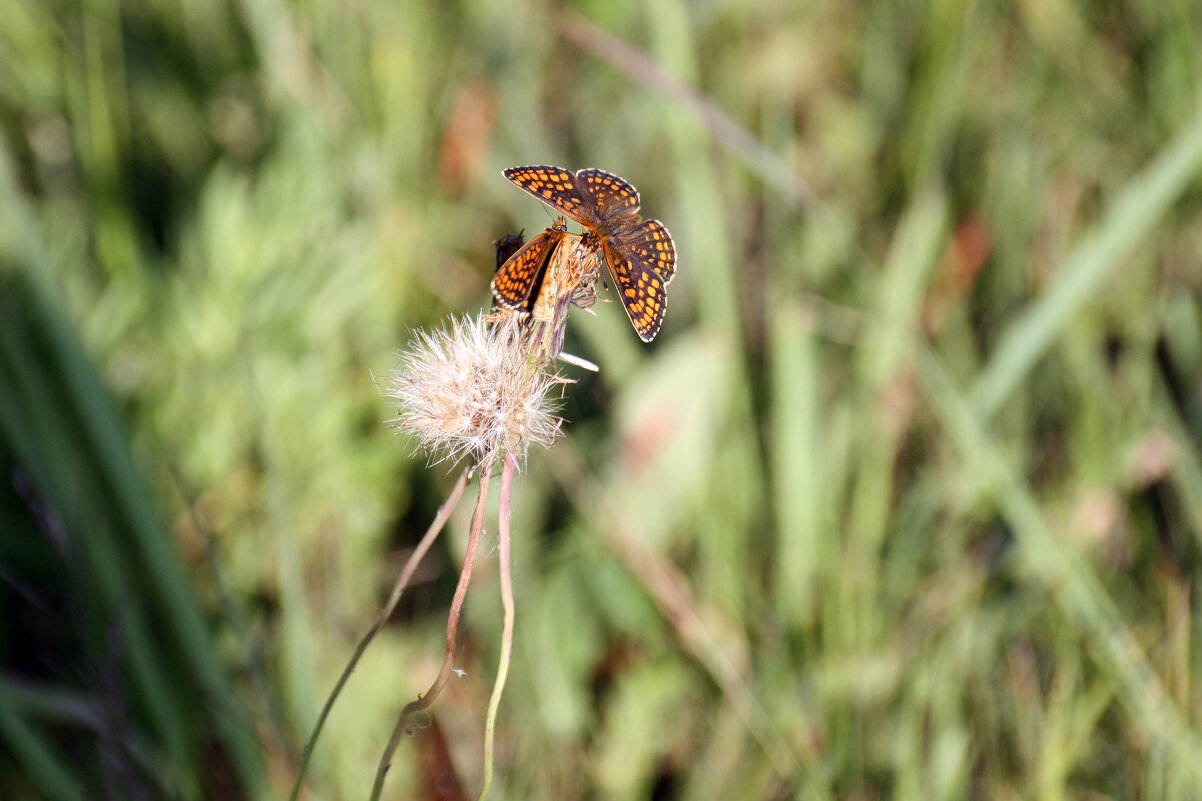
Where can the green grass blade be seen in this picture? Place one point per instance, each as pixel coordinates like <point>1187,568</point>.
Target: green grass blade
<point>1126,224</point>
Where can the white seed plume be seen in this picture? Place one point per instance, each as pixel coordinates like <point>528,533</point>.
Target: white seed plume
<point>472,390</point>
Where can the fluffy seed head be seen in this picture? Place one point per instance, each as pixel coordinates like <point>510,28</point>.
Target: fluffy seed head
<point>471,390</point>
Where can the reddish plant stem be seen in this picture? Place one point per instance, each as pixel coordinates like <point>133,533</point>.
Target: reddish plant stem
<point>448,662</point>
<point>398,588</point>
<point>507,622</point>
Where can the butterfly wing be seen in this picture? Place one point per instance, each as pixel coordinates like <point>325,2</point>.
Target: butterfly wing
<point>651,243</point>
<point>642,291</point>
<point>554,186</point>
<point>516,279</point>
<point>612,196</point>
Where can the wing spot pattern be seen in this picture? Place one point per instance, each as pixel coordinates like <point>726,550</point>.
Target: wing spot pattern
<point>640,254</point>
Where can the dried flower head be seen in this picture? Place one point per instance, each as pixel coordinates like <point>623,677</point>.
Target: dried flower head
<point>472,390</point>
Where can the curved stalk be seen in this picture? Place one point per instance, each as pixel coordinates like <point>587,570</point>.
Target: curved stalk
<point>448,662</point>
<point>398,588</point>
<point>506,626</point>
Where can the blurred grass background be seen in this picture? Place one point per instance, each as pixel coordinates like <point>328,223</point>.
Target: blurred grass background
<point>904,502</point>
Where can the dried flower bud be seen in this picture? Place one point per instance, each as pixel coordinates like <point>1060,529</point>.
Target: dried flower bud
<point>472,390</point>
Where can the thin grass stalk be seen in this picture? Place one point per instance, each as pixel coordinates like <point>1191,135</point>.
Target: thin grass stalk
<point>448,662</point>
<point>507,607</point>
<point>398,588</point>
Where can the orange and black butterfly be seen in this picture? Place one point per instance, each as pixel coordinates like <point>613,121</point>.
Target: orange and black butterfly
<point>516,284</point>
<point>640,253</point>
<point>542,278</point>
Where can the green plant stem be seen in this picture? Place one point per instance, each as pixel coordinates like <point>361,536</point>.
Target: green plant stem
<point>398,588</point>
<point>507,622</point>
<point>448,662</point>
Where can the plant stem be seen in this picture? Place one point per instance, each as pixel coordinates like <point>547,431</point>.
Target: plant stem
<point>402,581</point>
<point>448,662</point>
<point>507,622</point>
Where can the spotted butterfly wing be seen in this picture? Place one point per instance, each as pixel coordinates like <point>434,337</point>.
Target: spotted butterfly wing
<point>641,290</point>
<point>640,254</point>
<point>515,281</point>
<point>612,196</point>
<point>554,186</point>
<point>651,243</point>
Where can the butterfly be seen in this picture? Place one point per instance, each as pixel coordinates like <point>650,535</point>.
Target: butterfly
<point>640,253</point>
<point>543,277</point>
<point>522,273</point>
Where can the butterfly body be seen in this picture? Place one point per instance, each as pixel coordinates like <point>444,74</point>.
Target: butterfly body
<point>570,277</point>
<point>640,253</point>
